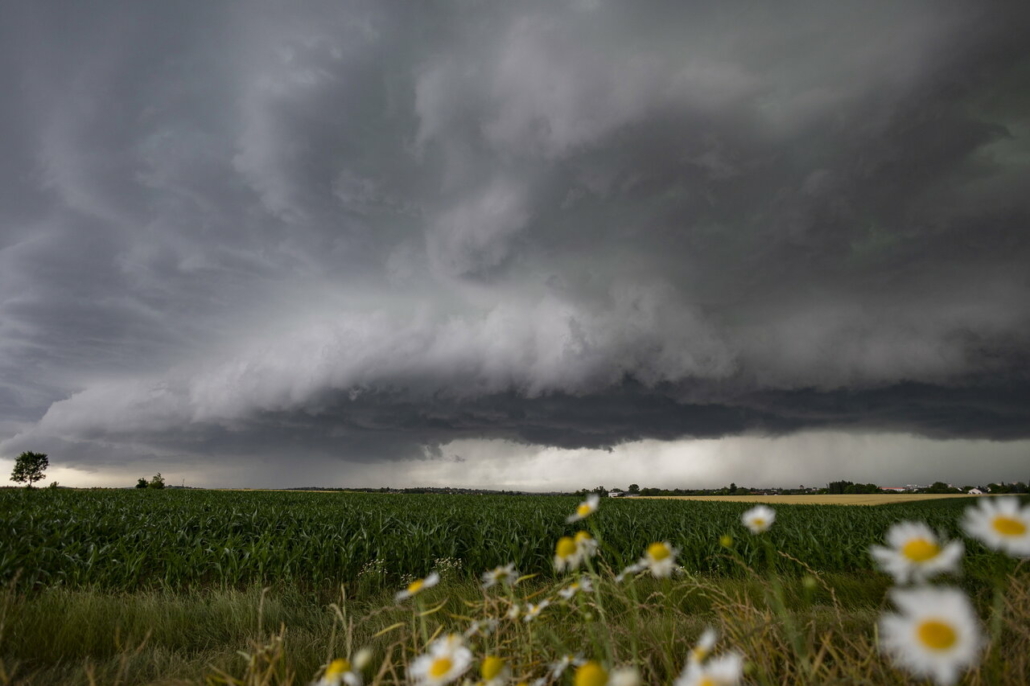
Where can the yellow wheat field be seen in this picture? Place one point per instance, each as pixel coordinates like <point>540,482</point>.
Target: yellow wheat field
<point>861,499</point>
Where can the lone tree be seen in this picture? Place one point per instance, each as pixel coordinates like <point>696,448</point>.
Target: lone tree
<point>29,467</point>
<point>157,482</point>
<point>142,483</point>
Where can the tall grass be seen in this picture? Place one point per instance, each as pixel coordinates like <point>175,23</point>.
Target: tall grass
<point>77,636</point>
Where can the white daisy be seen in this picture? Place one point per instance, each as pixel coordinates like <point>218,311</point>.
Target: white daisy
<point>559,667</point>
<point>590,673</point>
<point>533,611</point>
<point>1000,524</point>
<point>586,545</point>
<point>725,670</point>
<point>630,571</point>
<point>936,634</point>
<point>339,672</point>
<point>916,553</point>
<point>481,627</point>
<point>567,554</point>
<point>703,648</point>
<point>416,587</point>
<point>362,659</point>
<point>585,508</point>
<point>513,612</point>
<point>624,676</point>
<point>446,660</point>
<point>584,584</point>
<point>506,574</point>
<point>759,518</point>
<point>660,558</point>
<point>494,671</point>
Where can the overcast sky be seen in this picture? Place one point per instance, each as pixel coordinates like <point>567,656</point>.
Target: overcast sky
<point>516,244</point>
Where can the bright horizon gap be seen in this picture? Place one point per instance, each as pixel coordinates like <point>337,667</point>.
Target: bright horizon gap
<point>755,462</point>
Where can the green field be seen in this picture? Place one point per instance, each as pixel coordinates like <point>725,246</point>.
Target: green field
<point>126,586</point>
<point>177,539</point>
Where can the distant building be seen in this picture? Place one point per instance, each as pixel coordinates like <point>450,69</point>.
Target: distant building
<point>615,494</point>
<point>975,491</point>
<point>894,489</point>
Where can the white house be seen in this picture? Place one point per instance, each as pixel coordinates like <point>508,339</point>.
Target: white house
<point>975,491</point>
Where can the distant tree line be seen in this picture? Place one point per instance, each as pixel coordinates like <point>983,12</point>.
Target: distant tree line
<point>834,487</point>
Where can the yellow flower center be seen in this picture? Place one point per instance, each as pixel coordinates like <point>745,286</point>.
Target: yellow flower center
<point>583,510</point>
<point>491,667</point>
<point>658,551</point>
<point>566,547</point>
<point>591,674</point>
<point>416,586</point>
<point>337,667</point>
<point>758,523</point>
<point>440,667</point>
<point>936,635</point>
<point>725,541</point>
<point>707,681</point>
<point>920,550</point>
<point>1008,526</point>
<point>698,654</point>
<point>582,537</point>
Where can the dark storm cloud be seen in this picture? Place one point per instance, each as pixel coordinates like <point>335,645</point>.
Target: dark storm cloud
<point>362,229</point>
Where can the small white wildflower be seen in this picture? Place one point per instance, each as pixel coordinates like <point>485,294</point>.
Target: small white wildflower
<point>630,571</point>
<point>481,627</point>
<point>703,648</point>
<point>584,584</point>
<point>585,508</point>
<point>416,587</point>
<point>586,545</point>
<point>936,634</point>
<point>567,554</point>
<point>759,518</point>
<point>362,659</point>
<point>494,671</point>
<point>446,660</point>
<point>533,611</point>
<point>506,574</point>
<point>915,553</point>
<point>624,676</point>
<point>725,670</point>
<point>339,672</point>
<point>559,667</point>
<point>660,558</point>
<point>1000,524</point>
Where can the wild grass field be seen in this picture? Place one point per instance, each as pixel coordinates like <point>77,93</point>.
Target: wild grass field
<point>270,587</point>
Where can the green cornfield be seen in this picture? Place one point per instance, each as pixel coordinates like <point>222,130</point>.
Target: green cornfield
<point>181,539</point>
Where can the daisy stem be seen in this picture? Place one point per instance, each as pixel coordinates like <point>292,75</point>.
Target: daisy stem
<point>596,578</point>
<point>600,606</point>
<point>779,605</point>
<point>584,609</point>
<point>421,620</point>
<point>994,661</point>
<point>634,617</point>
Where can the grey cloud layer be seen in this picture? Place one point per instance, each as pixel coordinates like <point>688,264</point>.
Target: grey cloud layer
<point>366,228</point>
